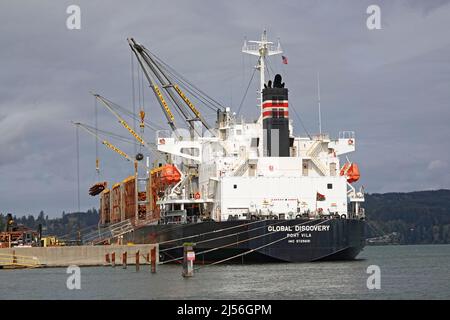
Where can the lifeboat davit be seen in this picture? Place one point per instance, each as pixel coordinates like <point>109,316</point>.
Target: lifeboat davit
<point>351,171</point>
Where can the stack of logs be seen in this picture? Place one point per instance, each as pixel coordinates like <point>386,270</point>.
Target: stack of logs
<point>97,188</point>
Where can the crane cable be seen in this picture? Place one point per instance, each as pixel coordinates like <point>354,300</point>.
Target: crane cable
<point>133,94</point>
<point>130,114</point>
<point>97,160</point>
<point>246,91</point>
<point>186,82</point>
<point>170,70</point>
<point>141,107</point>
<point>78,166</point>
<point>109,134</point>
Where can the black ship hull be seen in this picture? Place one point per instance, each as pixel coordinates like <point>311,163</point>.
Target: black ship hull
<point>240,241</point>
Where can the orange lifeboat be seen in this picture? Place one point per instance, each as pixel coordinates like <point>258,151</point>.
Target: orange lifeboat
<point>170,174</point>
<point>351,171</point>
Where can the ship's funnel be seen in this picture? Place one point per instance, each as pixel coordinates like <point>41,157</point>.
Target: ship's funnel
<point>275,119</point>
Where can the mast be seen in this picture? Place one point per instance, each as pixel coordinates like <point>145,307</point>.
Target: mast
<point>318,101</point>
<point>262,49</point>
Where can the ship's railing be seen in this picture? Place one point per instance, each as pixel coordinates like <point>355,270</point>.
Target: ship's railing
<point>255,47</point>
<point>111,231</point>
<point>346,134</point>
<point>321,136</point>
<point>164,134</point>
<point>18,261</point>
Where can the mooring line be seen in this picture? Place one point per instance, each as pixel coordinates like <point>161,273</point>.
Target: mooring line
<point>225,236</point>
<point>242,241</point>
<point>251,250</point>
<point>209,232</point>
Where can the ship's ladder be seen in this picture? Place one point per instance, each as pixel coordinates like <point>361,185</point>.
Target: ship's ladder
<point>313,153</point>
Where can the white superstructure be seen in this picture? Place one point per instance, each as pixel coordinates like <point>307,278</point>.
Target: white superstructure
<point>226,175</point>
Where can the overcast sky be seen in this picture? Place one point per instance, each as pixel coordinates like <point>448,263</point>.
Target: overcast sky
<point>391,86</point>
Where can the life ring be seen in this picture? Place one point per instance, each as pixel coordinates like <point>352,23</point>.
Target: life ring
<point>350,142</point>
<point>298,216</point>
<point>343,216</point>
<point>197,195</point>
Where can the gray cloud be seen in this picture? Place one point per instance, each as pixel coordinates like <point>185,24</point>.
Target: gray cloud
<point>389,85</point>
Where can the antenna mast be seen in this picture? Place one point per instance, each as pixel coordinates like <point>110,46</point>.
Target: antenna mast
<point>262,49</point>
<point>318,101</point>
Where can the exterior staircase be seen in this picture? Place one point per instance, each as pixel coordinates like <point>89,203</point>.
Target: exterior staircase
<point>241,169</point>
<point>313,153</point>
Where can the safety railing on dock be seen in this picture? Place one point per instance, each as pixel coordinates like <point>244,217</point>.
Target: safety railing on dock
<point>18,261</point>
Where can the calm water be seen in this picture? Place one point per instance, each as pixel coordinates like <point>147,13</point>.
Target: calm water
<point>407,272</point>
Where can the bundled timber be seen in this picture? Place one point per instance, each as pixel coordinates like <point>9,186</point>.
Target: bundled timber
<point>97,188</point>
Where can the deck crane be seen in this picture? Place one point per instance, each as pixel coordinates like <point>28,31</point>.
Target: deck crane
<point>89,130</point>
<point>152,70</point>
<point>98,187</point>
<point>108,104</point>
<point>161,100</point>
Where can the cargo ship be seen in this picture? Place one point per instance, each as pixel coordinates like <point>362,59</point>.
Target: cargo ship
<point>240,191</point>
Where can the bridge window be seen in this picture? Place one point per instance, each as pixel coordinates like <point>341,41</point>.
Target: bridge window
<point>190,151</point>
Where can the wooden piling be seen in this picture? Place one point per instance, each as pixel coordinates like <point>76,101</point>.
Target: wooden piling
<point>124,260</point>
<point>137,260</point>
<point>107,259</point>
<point>113,259</point>
<point>153,259</point>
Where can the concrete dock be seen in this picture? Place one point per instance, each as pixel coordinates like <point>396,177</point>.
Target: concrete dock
<point>78,255</point>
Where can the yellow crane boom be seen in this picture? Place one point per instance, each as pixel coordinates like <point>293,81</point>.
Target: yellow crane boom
<point>104,142</point>
<point>107,104</point>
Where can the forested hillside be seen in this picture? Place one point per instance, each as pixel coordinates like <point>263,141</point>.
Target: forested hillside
<point>418,217</point>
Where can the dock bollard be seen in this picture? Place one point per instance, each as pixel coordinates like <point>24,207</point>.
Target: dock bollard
<point>188,259</point>
<point>153,259</point>
<point>124,260</point>
<point>137,260</point>
<point>113,259</point>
